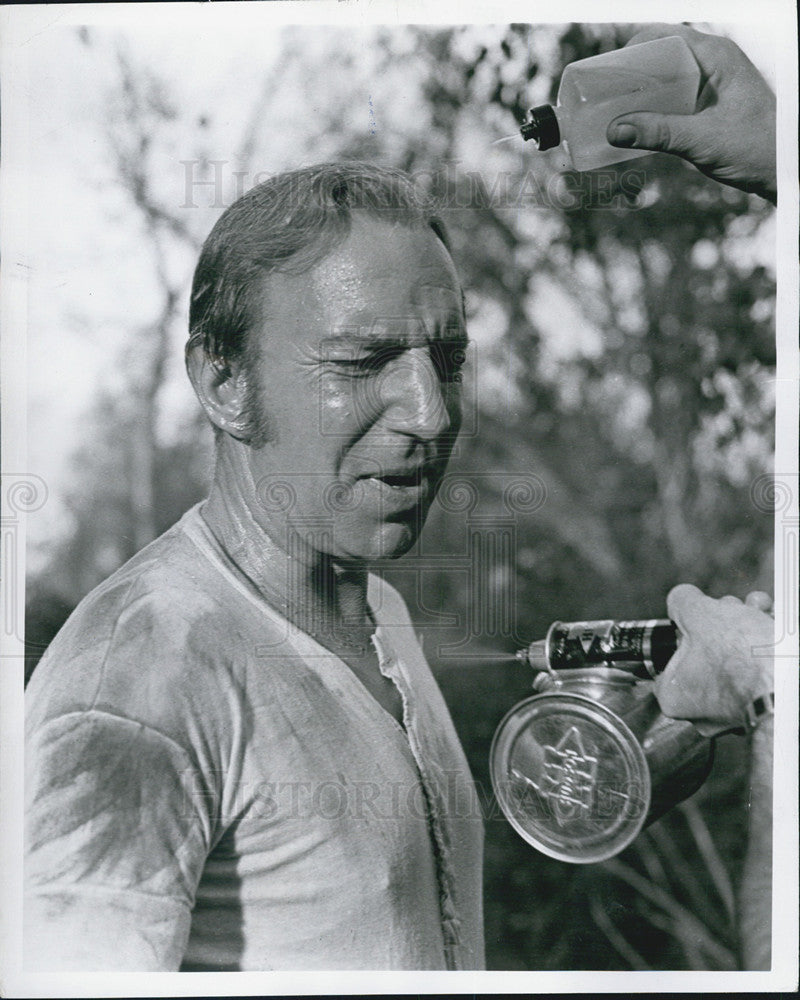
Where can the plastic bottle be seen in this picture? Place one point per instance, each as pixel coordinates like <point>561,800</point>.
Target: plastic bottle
<point>661,75</point>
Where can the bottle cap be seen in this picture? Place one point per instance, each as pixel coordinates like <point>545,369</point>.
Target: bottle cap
<point>570,777</point>
<point>542,127</point>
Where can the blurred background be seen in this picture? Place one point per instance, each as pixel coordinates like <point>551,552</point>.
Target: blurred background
<point>622,370</point>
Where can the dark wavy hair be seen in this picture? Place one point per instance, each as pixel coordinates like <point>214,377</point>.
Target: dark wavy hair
<point>289,224</point>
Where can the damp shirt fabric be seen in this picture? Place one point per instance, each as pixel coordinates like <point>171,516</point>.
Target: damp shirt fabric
<point>208,788</point>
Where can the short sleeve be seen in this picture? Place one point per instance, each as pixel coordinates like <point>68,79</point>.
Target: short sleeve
<point>117,832</point>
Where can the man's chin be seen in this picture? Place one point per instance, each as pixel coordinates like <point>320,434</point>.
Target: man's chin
<point>389,542</point>
<point>399,548</point>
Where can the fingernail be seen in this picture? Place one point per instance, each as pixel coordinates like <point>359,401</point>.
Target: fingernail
<point>623,135</point>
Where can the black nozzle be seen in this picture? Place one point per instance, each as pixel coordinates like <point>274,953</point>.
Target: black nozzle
<point>542,127</point>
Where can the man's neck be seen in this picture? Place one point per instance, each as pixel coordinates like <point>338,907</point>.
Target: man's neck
<point>326,600</point>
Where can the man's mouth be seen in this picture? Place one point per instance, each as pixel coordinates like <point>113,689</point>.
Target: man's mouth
<point>402,487</point>
<point>401,480</point>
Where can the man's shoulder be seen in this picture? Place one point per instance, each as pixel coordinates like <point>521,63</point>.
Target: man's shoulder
<point>156,616</point>
<point>168,579</point>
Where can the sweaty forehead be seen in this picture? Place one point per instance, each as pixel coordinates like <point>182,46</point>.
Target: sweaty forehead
<point>391,267</point>
<point>382,280</point>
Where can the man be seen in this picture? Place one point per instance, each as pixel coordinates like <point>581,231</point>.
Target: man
<point>238,757</point>
<point>251,763</point>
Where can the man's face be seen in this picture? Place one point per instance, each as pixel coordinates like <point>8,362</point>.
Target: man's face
<point>357,377</point>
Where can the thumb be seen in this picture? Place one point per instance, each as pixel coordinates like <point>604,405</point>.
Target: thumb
<point>648,130</point>
<point>688,607</point>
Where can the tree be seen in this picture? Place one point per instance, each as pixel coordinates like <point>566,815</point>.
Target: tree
<point>623,351</point>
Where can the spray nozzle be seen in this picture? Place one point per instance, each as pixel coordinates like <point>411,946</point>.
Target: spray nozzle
<point>535,655</point>
<point>542,127</point>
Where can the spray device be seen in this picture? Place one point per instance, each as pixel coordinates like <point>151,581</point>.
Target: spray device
<point>582,766</point>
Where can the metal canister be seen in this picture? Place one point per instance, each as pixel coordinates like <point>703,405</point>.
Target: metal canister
<point>582,766</point>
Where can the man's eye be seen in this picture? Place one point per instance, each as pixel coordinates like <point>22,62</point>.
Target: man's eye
<point>449,358</point>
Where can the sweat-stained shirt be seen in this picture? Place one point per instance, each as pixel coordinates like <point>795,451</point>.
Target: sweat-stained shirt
<point>208,788</point>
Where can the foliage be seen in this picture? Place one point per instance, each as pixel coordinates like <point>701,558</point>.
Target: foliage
<point>623,351</point>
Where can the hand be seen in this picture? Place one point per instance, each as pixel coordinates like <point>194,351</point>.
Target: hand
<point>723,661</point>
<point>731,135</point>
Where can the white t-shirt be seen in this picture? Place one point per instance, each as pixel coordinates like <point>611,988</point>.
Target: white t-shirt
<point>208,788</point>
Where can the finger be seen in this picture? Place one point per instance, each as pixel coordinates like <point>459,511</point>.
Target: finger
<point>759,599</point>
<point>668,691</point>
<point>709,728</point>
<point>687,606</point>
<point>729,599</point>
<point>661,133</point>
<point>674,693</point>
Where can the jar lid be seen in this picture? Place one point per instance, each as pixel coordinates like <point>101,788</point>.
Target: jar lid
<point>570,777</point>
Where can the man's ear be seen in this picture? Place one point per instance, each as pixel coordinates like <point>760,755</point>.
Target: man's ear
<point>222,390</point>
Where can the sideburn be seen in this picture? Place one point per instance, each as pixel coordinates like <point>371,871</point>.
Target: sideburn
<point>260,431</point>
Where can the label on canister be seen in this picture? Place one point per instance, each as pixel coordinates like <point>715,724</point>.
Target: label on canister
<point>570,777</point>
<point>628,644</point>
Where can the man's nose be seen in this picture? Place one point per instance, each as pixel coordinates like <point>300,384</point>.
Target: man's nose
<point>413,398</point>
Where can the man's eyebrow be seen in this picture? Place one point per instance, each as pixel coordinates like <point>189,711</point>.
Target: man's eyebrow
<point>349,337</point>
<point>352,338</point>
<point>362,342</point>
